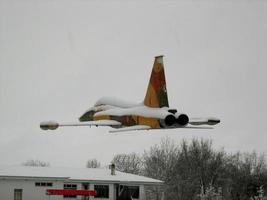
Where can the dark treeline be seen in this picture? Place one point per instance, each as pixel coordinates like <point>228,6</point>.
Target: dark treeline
<point>195,170</point>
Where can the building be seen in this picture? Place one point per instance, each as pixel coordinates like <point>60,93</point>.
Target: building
<point>36,183</point>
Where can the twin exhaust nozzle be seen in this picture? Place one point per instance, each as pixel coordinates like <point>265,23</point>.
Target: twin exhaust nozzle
<point>180,119</point>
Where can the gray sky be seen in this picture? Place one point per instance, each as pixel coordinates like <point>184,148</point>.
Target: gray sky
<point>57,57</point>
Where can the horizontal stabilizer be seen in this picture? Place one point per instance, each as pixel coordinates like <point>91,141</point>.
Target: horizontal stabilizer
<point>204,121</point>
<point>131,128</point>
<point>51,125</point>
<point>198,127</point>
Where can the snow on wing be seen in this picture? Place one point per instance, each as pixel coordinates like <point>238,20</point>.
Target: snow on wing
<point>94,123</point>
<point>112,101</point>
<point>143,111</point>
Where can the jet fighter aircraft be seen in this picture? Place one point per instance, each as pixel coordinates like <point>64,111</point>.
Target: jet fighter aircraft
<point>152,113</point>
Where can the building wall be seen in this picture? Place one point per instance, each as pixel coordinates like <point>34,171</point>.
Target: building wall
<point>32,192</point>
<point>142,192</point>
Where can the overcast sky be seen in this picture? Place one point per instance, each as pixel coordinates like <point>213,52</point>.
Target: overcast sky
<point>57,57</point>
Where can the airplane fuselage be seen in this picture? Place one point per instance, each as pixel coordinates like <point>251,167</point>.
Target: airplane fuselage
<point>136,115</point>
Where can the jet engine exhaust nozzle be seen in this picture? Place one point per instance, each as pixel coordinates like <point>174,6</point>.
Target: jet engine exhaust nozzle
<point>169,120</point>
<point>182,119</point>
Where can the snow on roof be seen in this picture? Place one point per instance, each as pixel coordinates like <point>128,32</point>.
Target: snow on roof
<point>74,174</point>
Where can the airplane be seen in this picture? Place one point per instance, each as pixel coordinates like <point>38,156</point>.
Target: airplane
<point>152,113</point>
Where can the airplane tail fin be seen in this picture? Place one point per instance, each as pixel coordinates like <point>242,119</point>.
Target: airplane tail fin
<point>156,95</point>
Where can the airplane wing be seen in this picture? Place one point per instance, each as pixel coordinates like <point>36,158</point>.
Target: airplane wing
<point>130,128</point>
<point>198,127</point>
<point>52,125</point>
<point>203,121</point>
<point>144,127</point>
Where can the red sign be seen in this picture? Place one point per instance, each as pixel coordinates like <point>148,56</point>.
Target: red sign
<point>71,192</point>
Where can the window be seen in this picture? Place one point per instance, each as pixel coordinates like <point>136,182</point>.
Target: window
<point>85,186</point>
<point>43,184</point>
<point>17,194</point>
<point>129,191</point>
<point>49,184</point>
<point>70,187</point>
<point>134,191</point>
<point>102,191</point>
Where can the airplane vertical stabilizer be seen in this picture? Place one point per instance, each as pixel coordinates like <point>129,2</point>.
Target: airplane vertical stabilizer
<point>156,95</point>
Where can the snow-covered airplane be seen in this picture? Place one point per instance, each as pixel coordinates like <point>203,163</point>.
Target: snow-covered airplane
<point>153,113</point>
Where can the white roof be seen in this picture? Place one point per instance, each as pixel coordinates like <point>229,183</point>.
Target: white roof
<point>73,174</point>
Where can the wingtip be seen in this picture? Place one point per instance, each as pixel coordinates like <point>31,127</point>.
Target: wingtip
<point>213,121</point>
<point>50,125</point>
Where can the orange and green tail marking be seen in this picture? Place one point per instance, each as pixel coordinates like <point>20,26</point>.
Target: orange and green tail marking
<point>156,95</point>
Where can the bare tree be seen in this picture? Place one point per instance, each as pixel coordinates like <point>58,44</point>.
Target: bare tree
<point>36,163</point>
<point>183,168</point>
<point>159,163</point>
<point>93,163</point>
<point>129,163</point>
<point>160,160</point>
<point>250,169</point>
<point>198,164</point>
